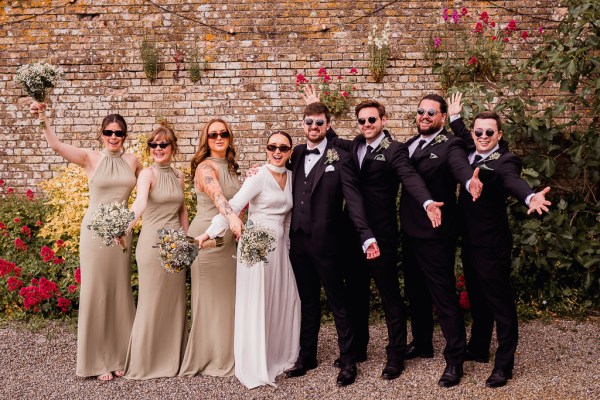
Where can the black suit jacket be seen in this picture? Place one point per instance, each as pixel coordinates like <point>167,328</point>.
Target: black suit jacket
<point>441,164</point>
<point>333,183</point>
<point>379,177</point>
<point>485,221</point>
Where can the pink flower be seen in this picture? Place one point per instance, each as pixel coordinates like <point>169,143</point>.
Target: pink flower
<point>78,275</point>
<point>473,61</point>
<point>20,245</point>
<point>464,11</point>
<point>541,30</point>
<point>478,28</point>
<point>524,35</point>
<point>72,289</point>
<point>38,223</point>
<point>17,220</point>
<point>437,42</point>
<point>455,16</point>
<point>26,231</point>
<point>46,253</point>
<point>14,283</point>
<point>353,70</point>
<point>445,14</point>
<point>29,194</point>
<point>463,300</point>
<point>322,72</point>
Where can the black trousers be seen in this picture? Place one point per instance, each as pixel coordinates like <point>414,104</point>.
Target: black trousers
<point>487,275</point>
<point>429,279</point>
<point>311,270</point>
<point>384,271</point>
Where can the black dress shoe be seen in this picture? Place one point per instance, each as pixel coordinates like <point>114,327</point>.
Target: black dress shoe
<point>359,358</point>
<point>299,368</point>
<point>347,375</point>
<point>392,370</point>
<point>451,376</point>
<point>471,356</point>
<point>413,352</point>
<point>498,378</point>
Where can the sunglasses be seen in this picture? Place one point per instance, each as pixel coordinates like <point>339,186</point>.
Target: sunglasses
<point>222,135</point>
<point>108,133</point>
<point>362,121</point>
<point>284,148</point>
<point>488,132</point>
<point>310,122</point>
<point>161,145</point>
<point>431,112</point>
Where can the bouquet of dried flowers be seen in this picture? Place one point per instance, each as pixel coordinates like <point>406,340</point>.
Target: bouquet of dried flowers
<point>256,243</point>
<point>110,221</point>
<point>176,250</point>
<point>37,78</point>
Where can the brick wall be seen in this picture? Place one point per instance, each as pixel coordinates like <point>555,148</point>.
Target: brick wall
<point>250,80</point>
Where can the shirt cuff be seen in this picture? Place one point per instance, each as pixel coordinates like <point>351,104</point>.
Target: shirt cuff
<point>428,202</point>
<point>367,243</point>
<point>468,185</point>
<point>528,199</point>
<point>454,117</point>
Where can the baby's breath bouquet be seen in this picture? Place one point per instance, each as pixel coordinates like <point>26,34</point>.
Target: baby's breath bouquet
<point>256,244</point>
<point>111,221</point>
<point>37,78</point>
<point>177,251</point>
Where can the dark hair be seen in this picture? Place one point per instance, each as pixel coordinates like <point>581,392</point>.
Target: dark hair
<point>489,115</point>
<point>287,135</point>
<point>204,151</point>
<point>165,132</point>
<point>317,108</point>
<point>439,99</point>
<point>109,119</point>
<point>370,104</point>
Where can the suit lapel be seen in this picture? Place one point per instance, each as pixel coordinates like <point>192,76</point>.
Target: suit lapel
<point>298,162</point>
<point>319,167</point>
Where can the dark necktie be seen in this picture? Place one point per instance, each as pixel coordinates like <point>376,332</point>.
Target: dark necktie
<point>369,149</point>
<point>476,160</point>
<point>313,151</point>
<point>419,148</point>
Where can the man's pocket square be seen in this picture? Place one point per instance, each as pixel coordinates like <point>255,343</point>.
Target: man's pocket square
<point>379,157</point>
<point>329,168</point>
<point>433,155</point>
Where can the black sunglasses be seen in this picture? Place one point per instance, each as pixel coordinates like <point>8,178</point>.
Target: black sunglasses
<point>284,148</point>
<point>310,121</point>
<point>431,112</point>
<point>488,132</point>
<point>161,145</point>
<point>362,121</point>
<point>213,135</point>
<point>108,133</point>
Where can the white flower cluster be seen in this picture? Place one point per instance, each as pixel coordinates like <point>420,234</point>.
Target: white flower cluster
<point>380,41</point>
<point>37,78</point>
<point>176,250</point>
<point>256,244</point>
<point>110,221</point>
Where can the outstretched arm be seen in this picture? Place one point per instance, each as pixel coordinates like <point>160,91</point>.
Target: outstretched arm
<point>538,202</point>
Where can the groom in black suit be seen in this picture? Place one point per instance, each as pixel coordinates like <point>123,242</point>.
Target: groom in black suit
<point>487,240</point>
<point>323,177</point>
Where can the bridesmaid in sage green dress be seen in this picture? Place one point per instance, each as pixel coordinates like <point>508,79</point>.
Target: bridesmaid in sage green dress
<point>159,333</point>
<point>210,345</point>
<point>106,307</point>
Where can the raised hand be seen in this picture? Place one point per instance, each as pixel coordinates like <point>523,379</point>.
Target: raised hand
<point>373,251</point>
<point>310,95</point>
<point>38,110</point>
<point>475,186</point>
<point>538,202</point>
<point>252,170</point>
<point>454,104</point>
<point>434,213</point>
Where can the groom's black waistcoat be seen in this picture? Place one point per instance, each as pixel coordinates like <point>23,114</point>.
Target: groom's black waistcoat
<point>301,217</point>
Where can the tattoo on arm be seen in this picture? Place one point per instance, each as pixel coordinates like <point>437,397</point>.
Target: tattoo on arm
<point>207,181</point>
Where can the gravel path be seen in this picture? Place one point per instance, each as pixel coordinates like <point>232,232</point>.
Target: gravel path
<point>555,360</point>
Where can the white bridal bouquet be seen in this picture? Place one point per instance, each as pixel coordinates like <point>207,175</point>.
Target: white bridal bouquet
<point>37,78</point>
<point>110,221</point>
<point>256,244</point>
<point>177,251</point>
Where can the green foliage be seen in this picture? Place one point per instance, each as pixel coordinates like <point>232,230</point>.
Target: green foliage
<point>196,65</point>
<point>150,54</point>
<point>557,256</point>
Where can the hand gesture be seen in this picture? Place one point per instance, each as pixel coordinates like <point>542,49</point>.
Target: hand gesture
<point>38,110</point>
<point>454,104</point>
<point>434,213</point>
<point>310,95</point>
<point>373,251</point>
<point>236,225</point>
<point>538,202</point>
<point>475,186</point>
<point>252,170</point>
<point>201,239</point>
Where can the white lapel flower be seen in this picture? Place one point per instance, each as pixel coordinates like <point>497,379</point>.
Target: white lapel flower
<point>385,143</point>
<point>440,139</point>
<point>494,156</point>
<point>332,156</point>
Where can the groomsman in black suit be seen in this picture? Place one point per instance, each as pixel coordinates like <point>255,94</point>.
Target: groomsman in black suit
<point>383,164</point>
<point>323,176</point>
<point>487,240</point>
<point>428,253</point>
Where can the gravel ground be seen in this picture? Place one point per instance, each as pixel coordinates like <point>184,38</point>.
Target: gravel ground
<point>555,360</point>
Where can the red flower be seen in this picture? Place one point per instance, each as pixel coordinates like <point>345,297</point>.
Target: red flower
<point>46,253</point>
<point>26,231</point>
<point>326,93</point>
<point>541,30</point>
<point>340,77</point>
<point>20,245</point>
<point>1,182</point>
<point>492,24</point>
<point>326,78</point>
<point>460,282</point>
<point>322,72</point>
<point>473,61</point>
<point>524,35</point>
<point>14,283</point>
<point>505,40</point>
<point>6,267</point>
<point>478,28</point>
<point>2,226</point>
<point>484,17</point>
<point>463,300</point>
<point>10,190</point>
<point>32,296</point>
<point>345,94</point>
<point>29,194</point>
<point>464,11</point>
<point>72,289</point>
<point>300,79</point>
<point>58,260</point>
<point>34,281</point>
<point>78,275</point>
<point>38,223</point>
<point>17,272</point>
<point>512,26</point>
<point>353,70</point>
<point>445,14</point>
<point>48,288</point>
<point>494,38</point>
<point>64,304</point>
<point>17,220</point>
<point>60,243</point>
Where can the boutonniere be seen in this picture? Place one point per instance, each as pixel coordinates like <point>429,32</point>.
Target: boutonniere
<point>385,143</point>
<point>332,156</point>
<point>440,139</point>
<point>494,156</point>
<point>379,157</point>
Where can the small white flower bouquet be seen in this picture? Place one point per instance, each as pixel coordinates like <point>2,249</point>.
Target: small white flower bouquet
<point>37,78</point>
<point>256,244</point>
<point>110,221</point>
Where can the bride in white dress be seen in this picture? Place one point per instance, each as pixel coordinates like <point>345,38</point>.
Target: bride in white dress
<point>267,305</point>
